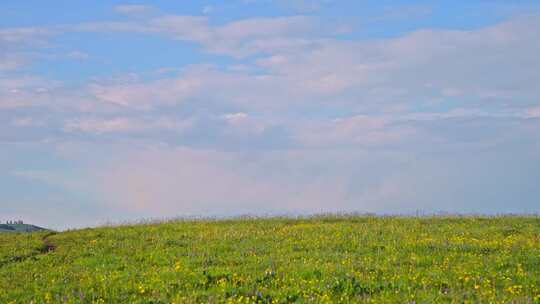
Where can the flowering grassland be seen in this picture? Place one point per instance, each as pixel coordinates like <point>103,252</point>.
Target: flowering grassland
<point>332,259</point>
<point>15,247</point>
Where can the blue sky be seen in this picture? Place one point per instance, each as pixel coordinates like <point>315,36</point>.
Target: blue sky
<point>116,110</point>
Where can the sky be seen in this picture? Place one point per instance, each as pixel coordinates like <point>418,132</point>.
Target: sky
<point>114,111</point>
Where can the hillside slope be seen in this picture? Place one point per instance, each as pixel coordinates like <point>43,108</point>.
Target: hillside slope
<point>315,260</point>
<point>19,228</point>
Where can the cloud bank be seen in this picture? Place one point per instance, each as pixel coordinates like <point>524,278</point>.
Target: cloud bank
<point>285,115</point>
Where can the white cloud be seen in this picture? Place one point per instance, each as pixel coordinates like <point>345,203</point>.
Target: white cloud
<point>13,42</point>
<point>133,8</point>
<point>120,124</point>
<point>428,69</point>
<point>23,91</point>
<point>25,122</point>
<point>23,35</point>
<point>394,124</point>
<point>359,130</point>
<point>147,95</point>
<point>304,6</point>
<point>425,68</point>
<point>237,38</point>
<point>78,55</point>
<point>125,125</point>
<point>235,117</point>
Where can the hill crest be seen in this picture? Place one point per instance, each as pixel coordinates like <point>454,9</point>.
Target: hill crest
<point>19,228</point>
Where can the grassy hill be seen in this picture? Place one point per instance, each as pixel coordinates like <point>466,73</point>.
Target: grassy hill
<point>314,260</point>
<point>19,228</point>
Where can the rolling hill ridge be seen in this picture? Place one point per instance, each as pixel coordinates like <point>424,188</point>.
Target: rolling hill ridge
<point>20,228</point>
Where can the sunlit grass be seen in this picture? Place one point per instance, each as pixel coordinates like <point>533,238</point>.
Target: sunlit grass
<point>328,259</point>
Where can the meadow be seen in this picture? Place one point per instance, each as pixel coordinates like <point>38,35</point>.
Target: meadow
<point>321,259</point>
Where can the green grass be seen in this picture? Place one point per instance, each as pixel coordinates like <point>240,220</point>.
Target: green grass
<point>328,259</point>
<point>16,247</point>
